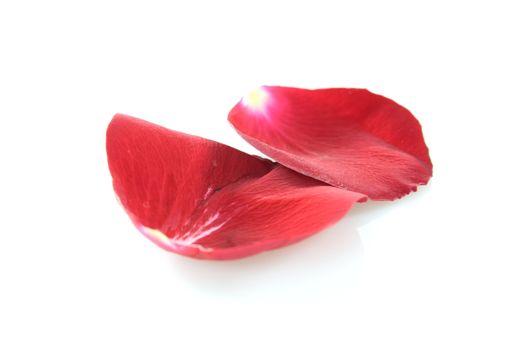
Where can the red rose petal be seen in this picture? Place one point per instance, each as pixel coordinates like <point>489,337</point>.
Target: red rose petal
<point>200,198</point>
<point>349,138</point>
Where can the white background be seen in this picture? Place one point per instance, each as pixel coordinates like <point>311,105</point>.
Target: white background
<point>443,268</point>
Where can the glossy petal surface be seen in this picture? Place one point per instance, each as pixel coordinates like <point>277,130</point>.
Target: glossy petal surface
<point>203,199</point>
<point>349,138</point>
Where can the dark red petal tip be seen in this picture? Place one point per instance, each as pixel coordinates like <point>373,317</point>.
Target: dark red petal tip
<point>200,198</point>
<point>349,138</point>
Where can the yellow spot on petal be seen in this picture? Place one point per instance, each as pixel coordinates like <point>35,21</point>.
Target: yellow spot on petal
<point>156,236</point>
<point>255,99</point>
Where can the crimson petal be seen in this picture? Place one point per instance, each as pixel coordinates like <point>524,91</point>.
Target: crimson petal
<point>349,138</point>
<point>203,199</point>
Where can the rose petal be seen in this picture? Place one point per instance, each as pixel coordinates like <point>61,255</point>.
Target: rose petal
<point>349,138</point>
<point>200,198</point>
